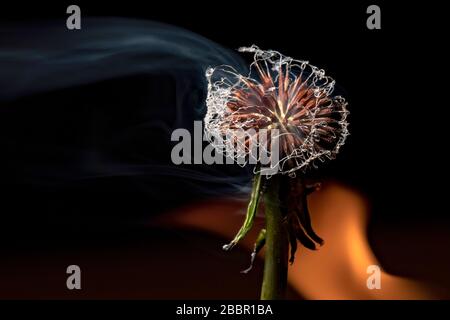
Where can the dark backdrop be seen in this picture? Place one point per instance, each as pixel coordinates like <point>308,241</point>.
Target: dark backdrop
<point>394,155</point>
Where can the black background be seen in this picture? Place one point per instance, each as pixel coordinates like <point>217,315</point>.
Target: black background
<point>395,154</point>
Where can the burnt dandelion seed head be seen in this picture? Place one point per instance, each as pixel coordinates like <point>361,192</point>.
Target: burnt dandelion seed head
<point>285,106</point>
<point>289,98</point>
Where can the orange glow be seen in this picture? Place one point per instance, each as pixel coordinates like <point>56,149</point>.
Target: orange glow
<point>338,270</point>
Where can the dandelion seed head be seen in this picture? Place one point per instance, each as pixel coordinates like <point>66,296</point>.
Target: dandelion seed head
<point>282,93</point>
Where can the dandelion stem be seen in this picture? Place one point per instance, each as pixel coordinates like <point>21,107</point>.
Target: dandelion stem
<point>277,245</point>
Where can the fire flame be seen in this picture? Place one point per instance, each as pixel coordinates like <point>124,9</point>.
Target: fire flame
<point>338,270</point>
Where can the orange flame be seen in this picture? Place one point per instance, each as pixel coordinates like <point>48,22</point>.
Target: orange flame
<point>338,270</point>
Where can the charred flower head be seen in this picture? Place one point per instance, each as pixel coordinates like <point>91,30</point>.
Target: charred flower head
<point>290,99</point>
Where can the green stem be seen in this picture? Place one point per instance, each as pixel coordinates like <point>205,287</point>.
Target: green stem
<point>276,254</point>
